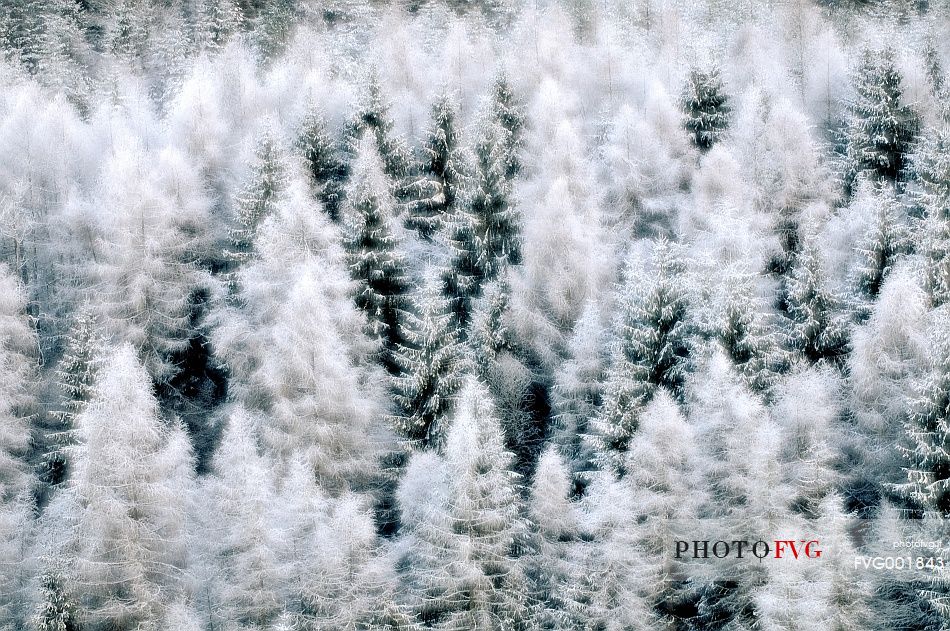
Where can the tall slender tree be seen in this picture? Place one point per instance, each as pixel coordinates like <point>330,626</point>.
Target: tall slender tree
<point>372,117</point>
<point>437,190</point>
<point>430,367</point>
<point>485,233</point>
<point>259,196</point>
<point>132,478</point>
<point>509,113</point>
<point>17,373</point>
<point>373,248</point>
<point>327,170</point>
<point>76,377</point>
<point>817,329</point>
<point>932,168</point>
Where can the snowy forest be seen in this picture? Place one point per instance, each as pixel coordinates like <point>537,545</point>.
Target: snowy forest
<point>458,314</point>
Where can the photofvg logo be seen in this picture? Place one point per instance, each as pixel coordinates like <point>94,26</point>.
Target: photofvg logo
<point>739,549</point>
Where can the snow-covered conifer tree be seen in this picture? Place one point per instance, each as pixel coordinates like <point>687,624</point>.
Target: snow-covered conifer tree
<point>579,389</point>
<point>927,453</point>
<point>485,514</point>
<point>555,523</point>
<point>739,462</point>
<point>441,177</point>
<point>650,348</point>
<point>326,168</point>
<point>372,117</point>
<point>485,233</point>
<point>654,328</point>
<point>882,244</point>
<point>17,374</point>
<point>932,167</point>
<point>63,50</point>
<point>76,376</point>
<point>215,22</point>
<point>57,609</point>
<point>817,330</point>
<point>430,365</point>
<point>259,196</point>
<point>707,108</point>
<point>882,126</point>
<point>890,353</point>
<point>509,113</point>
<point>752,345</point>
<point>373,247</point>
<point>132,478</point>
<point>273,26</point>
<point>243,537</point>
<point>21,30</point>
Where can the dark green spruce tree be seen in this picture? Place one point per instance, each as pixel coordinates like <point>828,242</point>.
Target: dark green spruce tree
<point>373,251</point>
<point>651,348</point>
<point>509,113</point>
<point>328,171</point>
<point>881,127</point>
<point>75,376</point>
<point>748,340</point>
<point>706,106</point>
<point>430,362</point>
<point>436,191</point>
<point>258,197</point>
<point>818,331</point>
<point>486,232</point>
<point>57,610</point>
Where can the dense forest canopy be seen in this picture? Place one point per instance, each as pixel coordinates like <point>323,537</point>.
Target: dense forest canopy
<point>350,314</point>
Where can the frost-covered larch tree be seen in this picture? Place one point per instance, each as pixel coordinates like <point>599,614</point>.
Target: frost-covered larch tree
<point>882,244</point>
<point>889,355</point>
<point>484,512</point>
<point>556,526</point>
<point>662,466</point>
<point>17,405</point>
<point>17,373</point>
<point>744,491</point>
<point>463,523</point>
<point>579,389</point>
<point>132,478</point>
<point>244,538</point>
<point>927,453</point>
